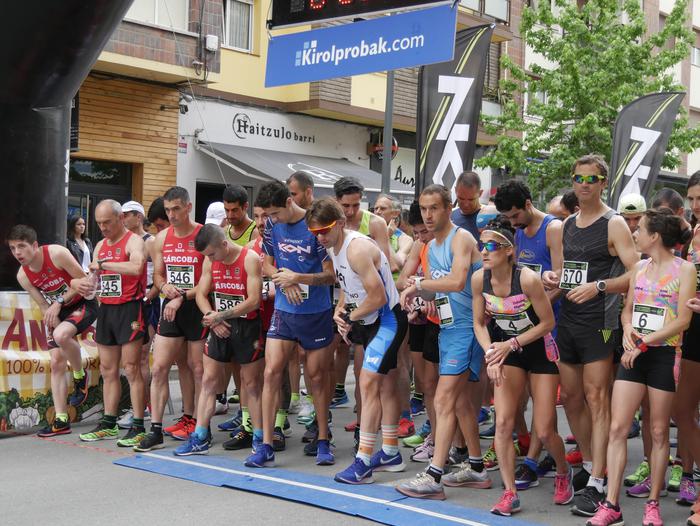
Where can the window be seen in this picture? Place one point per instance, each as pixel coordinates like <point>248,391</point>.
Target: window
<point>497,9</point>
<point>695,56</point>
<point>168,13</point>
<point>239,24</point>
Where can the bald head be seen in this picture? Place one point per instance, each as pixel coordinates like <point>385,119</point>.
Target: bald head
<point>109,206</point>
<point>109,217</point>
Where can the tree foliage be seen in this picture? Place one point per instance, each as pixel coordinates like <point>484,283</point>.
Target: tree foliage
<point>597,65</point>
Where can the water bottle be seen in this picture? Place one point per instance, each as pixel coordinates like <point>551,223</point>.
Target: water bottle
<point>551,348</point>
<point>94,279</point>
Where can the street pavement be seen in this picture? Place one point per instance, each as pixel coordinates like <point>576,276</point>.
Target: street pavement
<point>65,481</point>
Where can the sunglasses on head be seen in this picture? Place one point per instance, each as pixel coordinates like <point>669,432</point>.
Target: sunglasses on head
<point>586,178</point>
<point>322,229</point>
<point>492,246</point>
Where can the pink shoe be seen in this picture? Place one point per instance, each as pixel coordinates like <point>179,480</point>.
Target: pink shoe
<point>424,452</point>
<point>606,516</point>
<point>563,488</point>
<point>652,514</point>
<point>509,504</point>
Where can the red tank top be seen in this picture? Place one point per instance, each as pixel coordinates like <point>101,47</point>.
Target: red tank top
<point>426,272</point>
<point>116,288</point>
<point>268,305</point>
<point>231,284</point>
<point>50,280</point>
<point>183,264</point>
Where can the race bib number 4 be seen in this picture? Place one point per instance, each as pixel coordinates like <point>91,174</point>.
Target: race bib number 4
<point>444,310</point>
<point>110,285</point>
<point>573,274</point>
<point>513,324</point>
<point>647,318</point>
<point>182,276</point>
<point>226,301</point>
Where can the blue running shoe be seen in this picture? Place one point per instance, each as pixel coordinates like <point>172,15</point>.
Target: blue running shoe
<point>339,399</point>
<point>324,456</point>
<point>232,424</point>
<point>357,473</point>
<point>263,457</point>
<point>194,446</point>
<point>484,415</point>
<point>417,407</point>
<point>382,462</point>
<point>256,443</point>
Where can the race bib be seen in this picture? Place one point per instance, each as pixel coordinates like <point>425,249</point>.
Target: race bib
<point>182,276</point>
<point>513,324</point>
<point>336,294</point>
<point>647,318</point>
<point>266,284</point>
<point>418,304</point>
<point>697,279</point>
<point>227,301</point>
<point>532,266</point>
<point>304,291</point>
<point>444,310</point>
<point>573,274</point>
<point>51,296</point>
<point>110,285</point>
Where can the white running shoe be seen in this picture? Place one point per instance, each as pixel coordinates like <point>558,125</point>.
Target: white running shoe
<point>221,409</point>
<point>307,411</point>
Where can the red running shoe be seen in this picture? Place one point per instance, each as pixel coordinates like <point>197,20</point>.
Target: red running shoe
<point>406,428</point>
<point>350,428</point>
<point>574,457</point>
<point>182,428</point>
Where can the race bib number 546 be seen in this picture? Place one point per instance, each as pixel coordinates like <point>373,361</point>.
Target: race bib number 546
<point>182,276</point>
<point>573,274</point>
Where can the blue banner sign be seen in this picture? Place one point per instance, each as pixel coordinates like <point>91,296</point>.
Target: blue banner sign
<point>390,42</point>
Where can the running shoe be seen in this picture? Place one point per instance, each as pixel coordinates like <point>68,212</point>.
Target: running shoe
<point>150,442</point>
<point>564,487</point>
<point>256,443</point>
<point>241,439</point>
<point>351,426</point>
<point>581,480</point>
<point>356,441</point>
<point>642,490</point>
<point>424,452</point>
<point>100,432</point>
<point>380,461</point>
<point>294,407</point>
<point>688,493</point>
<point>310,433</point>
<point>235,398</point>
<point>490,459</point>
<point>422,486</point>
<point>652,514</point>
<point>525,477</point>
<point>587,502</point>
<point>263,457</point>
<point>639,474</point>
<point>180,425</point>
<point>232,424</point>
<point>674,480</point>
<point>696,474</point>
<point>417,407</point>
<point>547,468</point>
<point>340,399</point>
<point>127,420</point>
<point>356,473</point>
<point>507,505</point>
<point>574,457</point>
<point>488,433</point>
<point>279,442</point>
<point>694,520</point>
<point>454,457</point>
<point>132,438</point>
<point>406,428</point>
<point>194,446</point>
<point>59,427</point>
<point>311,449</point>
<point>465,477</point>
<point>484,416</point>
<point>635,429</point>
<point>570,439</point>
<point>287,429</point>
<point>221,407</point>
<point>324,455</point>
<point>417,439</point>
<point>307,413</point>
<point>80,391</point>
<point>606,515</point>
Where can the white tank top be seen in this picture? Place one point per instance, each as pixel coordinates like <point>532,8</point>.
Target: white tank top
<point>351,283</point>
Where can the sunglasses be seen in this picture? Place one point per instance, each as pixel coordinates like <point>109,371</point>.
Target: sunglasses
<point>323,229</point>
<point>588,179</point>
<point>492,246</point>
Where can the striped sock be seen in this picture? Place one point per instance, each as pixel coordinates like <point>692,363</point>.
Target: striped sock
<point>476,463</point>
<point>367,441</point>
<point>390,439</point>
<point>245,416</point>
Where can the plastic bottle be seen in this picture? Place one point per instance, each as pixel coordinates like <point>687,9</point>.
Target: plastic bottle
<point>94,279</point>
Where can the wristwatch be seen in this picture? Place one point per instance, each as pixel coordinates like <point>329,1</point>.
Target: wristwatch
<point>639,344</point>
<point>417,282</point>
<point>601,286</point>
<point>60,299</point>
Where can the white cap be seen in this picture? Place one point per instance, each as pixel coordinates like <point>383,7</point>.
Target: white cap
<point>631,204</point>
<point>216,213</point>
<point>133,206</point>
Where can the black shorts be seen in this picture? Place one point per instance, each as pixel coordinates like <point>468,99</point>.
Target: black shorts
<point>653,368</point>
<point>533,359</point>
<point>120,324</point>
<point>81,315</point>
<point>424,339</point>
<point>582,345</point>
<point>691,351</point>
<point>187,323</point>
<point>244,344</point>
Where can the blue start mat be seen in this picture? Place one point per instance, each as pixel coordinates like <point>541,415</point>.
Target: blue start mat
<point>375,502</point>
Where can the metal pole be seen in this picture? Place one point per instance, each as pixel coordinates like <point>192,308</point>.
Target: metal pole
<point>388,133</point>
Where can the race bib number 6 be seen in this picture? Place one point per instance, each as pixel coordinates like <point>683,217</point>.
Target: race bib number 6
<point>573,274</point>
<point>182,276</point>
<point>110,285</point>
<point>647,318</point>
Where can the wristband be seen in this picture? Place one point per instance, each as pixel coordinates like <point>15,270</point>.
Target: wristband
<point>639,344</point>
<point>515,345</point>
<point>416,282</point>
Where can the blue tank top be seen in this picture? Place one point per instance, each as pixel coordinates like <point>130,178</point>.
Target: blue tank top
<point>460,303</point>
<point>295,248</point>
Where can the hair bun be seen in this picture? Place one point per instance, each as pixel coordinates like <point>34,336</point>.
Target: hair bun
<point>686,235</point>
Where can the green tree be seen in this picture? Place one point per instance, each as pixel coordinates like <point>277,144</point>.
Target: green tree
<point>599,64</point>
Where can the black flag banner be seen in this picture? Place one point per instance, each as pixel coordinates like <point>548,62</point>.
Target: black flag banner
<point>640,137</point>
<point>449,104</point>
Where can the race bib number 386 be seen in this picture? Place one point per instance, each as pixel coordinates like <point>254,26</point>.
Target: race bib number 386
<point>573,274</point>
<point>182,276</point>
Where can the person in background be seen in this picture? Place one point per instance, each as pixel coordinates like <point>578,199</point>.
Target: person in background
<point>216,214</point>
<point>78,243</point>
<point>157,216</point>
<point>468,191</point>
<point>556,209</point>
<point>632,207</point>
<point>569,203</point>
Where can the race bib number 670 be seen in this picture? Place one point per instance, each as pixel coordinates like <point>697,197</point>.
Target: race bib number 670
<point>182,276</point>
<point>573,274</point>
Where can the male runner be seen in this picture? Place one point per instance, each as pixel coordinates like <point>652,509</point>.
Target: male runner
<point>302,314</point>
<point>632,207</point>
<point>120,261</point>
<point>454,257</point>
<point>157,216</point>
<point>389,209</point>
<point>301,188</point>
<point>177,269</point>
<point>46,273</point>
<point>597,247</point>
<point>468,191</point>
<point>241,228</point>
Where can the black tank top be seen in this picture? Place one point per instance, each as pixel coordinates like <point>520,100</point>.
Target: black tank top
<point>587,248</point>
<point>512,315</point>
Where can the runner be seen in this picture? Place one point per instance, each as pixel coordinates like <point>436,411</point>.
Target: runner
<point>597,247</point>
<point>177,269</point>
<point>653,319</point>
<point>46,273</point>
<point>302,314</point>
<point>120,261</point>
<point>232,273</point>
<point>468,191</point>
<point>301,188</point>
<point>241,228</point>
<point>453,256</point>
<point>519,342</point>
<point>632,207</point>
<point>389,209</point>
<point>368,306</point>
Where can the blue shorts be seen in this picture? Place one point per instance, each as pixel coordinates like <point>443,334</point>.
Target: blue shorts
<point>311,331</point>
<point>459,351</point>
<point>385,337</point>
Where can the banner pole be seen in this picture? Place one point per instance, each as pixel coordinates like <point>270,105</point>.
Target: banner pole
<point>388,135</point>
